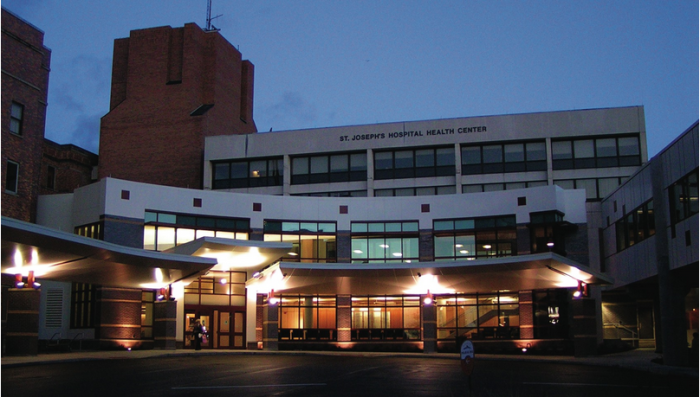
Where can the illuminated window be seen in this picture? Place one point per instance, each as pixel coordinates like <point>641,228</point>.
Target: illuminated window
<point>475,238</point>
<point>307,317</point>
<point>166,230</point>
<point>478,316</point>
<point>380,242</point>
<point>311,241</point>
<point>382,317</point>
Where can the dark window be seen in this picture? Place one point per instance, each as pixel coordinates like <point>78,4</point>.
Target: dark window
<point>247,173</point>
<point>342,167</point>
<point>12,177</point>
<point>499,158</point>
<point>417,163</point>
<point>16,118</point>
<point>83,307</point>
<point>51,177</point>
<point>636,226</point>
<point>596,152</point>
<point>683,197</point>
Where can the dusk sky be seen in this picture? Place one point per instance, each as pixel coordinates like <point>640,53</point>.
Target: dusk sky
<point>335,63</point>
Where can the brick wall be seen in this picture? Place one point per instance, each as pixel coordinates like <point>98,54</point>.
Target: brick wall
<point>171,88</point>
<point>25,79</point>
<point>72,168</point>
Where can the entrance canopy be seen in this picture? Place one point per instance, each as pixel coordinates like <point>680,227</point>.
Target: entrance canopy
<point>245,255</point>
<point>55,255</point>
<point>514,273</point>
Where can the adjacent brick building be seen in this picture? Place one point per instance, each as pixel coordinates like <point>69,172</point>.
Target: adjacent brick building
<point>66,167</point>
<point>171,88</point>
<point>25,81</point>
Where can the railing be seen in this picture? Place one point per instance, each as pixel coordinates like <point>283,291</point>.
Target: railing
<point>368,334</point>
<point>80,341</point>
<point>310,334</point>
<point>618,326</point>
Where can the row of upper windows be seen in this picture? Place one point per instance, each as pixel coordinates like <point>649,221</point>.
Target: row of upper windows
<point>370,241</point>
<point>431,162</point>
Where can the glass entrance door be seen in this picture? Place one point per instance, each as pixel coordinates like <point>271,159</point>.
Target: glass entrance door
<point>231,330</point>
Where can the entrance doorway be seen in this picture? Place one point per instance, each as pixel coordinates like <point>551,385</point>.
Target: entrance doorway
<point>225,329</point>
<point>230,332</point>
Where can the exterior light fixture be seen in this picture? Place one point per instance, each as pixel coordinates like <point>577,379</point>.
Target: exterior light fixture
<point>292,254</point>
<point>581,290</point>
<point>428,298</point>
<point>256,275</point>
<point>271,298</point>
<point>18,281</point>
<point>550,244</point>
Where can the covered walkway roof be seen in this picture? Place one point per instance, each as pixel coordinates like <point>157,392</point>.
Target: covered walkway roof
<point>55,255</point>
<point>514,273</point>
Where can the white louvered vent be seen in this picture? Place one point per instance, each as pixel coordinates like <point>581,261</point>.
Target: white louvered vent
<point>54,308</point>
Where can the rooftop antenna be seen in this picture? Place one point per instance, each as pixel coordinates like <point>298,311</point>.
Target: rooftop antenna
<point>210,27</point>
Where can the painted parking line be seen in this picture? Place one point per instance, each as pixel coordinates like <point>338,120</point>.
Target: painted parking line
<point>246,386</point>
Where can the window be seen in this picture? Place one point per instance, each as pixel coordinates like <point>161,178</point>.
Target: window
<point>341,167</point>
<point>551,317</point>
<point>311,241</point>
<point>500,158</point>
<point>547,232</point>
<point>378,318</point>
<point>596,152</point>
<point>478,316</point>
<point>164,230</point>
<point>307,317</point>
<point>247,173</point>
<point>379,242</point>
<point>147,299</point>
<point>494,187</point>
<point>12,177</point>
<point>217,288</point>
<point>418,191</point>
<point>475,238</point>
<point>635,226</point>
<point>16,118</point>
<point>596,189</point>
<point>683,197</point>
<point>417,163</point>
<point>51,177</point>
<point>83,307</point>
<point>92,230</point>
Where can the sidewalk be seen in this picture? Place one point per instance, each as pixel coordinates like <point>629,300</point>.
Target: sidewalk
<point>639,359</point>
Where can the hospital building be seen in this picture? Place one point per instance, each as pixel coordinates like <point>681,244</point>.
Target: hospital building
<point>535,233</point>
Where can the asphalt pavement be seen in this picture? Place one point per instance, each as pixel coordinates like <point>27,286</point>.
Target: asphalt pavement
<point>638,359</point>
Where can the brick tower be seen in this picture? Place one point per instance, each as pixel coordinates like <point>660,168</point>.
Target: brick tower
<point>171,88</point>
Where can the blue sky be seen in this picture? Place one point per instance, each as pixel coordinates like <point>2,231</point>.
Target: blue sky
<point>333,63</point>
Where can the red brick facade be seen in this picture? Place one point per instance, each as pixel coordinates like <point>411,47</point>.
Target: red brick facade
<point>25,80</point>
<point>65,168</point>
<point>171,88</point>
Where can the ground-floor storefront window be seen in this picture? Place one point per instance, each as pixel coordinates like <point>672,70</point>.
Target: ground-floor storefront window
<point>386,318</point>
<point>478,316</point>
<point>307,317</point>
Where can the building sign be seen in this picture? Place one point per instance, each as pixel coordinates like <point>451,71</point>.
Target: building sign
<point>420,134</point>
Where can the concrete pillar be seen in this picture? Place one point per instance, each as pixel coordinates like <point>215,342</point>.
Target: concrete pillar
<point>429,327</point>
<point>165,325</point>
<point>584,327</point>
<point>344,316</point>
<point>270,326</point>
<point>22,333</point>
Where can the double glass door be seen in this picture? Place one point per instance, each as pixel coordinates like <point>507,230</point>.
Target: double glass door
<point>225,329</point>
